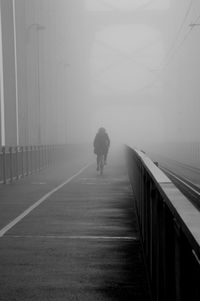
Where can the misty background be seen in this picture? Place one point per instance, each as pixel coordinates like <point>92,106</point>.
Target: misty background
<point>131,66</point>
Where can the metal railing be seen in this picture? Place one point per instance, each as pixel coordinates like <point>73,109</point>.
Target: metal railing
<point>170,231</point>
<point>18,162</point>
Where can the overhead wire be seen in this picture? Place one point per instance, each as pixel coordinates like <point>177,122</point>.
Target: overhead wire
<point>125,57</point>
<point>179,30</point>
<point>120,53</point>
<point>138,50</point>
<point>182,41</point>
<point>196,20</point>
<point>173,49</point>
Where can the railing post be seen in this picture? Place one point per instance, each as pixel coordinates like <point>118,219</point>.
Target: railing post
<point>22,163</point>
<point>162,248</point>
<point>39,157</point>
<point>17,163</point>
<point>147,220</point>
<point>142,216</point>
<point>153,237</point>
<point>54,155</point>
<point>4,163</point>
<point>195,276</point>
<point>45,156</point>
<point>159,227</point>
<point>177,260</point>
<point>31,159</point>
<point>35,157</point>
<point>49,155</point>
<point>27,160</point>
<point>11,164</point>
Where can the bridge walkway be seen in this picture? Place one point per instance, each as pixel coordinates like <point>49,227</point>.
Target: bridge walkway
<point>76,241</point>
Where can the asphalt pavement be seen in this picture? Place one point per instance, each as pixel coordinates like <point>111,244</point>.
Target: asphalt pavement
<point>79,242</point>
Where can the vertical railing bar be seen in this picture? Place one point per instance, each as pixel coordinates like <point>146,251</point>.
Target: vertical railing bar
<point>48,156</point>
<point>42,156</point>
<point>27,160</point>
<point>17,163</point>
<point>35,158</point>
<point>45,156</point>
<point>177,260</point>
<point>39,157</point>
<point>31,160</point>
<point>11,164</point>
<point>22,158</point>
<point>4,163</point>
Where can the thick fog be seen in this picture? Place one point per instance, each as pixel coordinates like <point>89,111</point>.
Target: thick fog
<point>131,66</point>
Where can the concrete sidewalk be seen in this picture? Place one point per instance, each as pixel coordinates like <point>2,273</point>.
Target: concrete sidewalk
<point>81,243</point>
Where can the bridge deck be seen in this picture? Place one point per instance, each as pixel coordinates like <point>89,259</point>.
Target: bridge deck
<point>79,243</point>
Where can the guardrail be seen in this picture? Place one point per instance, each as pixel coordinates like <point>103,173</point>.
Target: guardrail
<point>18,162</point>
<point>170,231</point>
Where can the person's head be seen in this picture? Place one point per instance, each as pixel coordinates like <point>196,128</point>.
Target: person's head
<point>102,130</point>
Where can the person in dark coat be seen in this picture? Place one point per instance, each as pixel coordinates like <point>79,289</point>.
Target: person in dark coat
<point>101,145</point>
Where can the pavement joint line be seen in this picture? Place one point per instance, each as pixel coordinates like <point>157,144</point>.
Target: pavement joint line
<point>85,237</point>
<point>36,204</point>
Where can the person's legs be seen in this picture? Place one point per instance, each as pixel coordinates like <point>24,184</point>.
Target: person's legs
<point>98,160</point>
<point>105,156</point>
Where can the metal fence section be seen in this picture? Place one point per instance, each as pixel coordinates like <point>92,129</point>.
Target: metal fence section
<point>17,162</point>
<point>170,231</point>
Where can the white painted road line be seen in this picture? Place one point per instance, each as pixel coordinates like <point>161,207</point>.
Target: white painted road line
<point>75,237</point>
<point>183,182</point>
<point>31,208</point>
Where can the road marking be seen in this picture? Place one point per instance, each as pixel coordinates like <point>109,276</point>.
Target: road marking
<point>76,237</point>
<point>97,184</point>
<point>31,208</point>
<point>183,182</point>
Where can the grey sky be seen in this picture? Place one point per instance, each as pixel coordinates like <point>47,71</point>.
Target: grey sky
<point>130,65</point>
